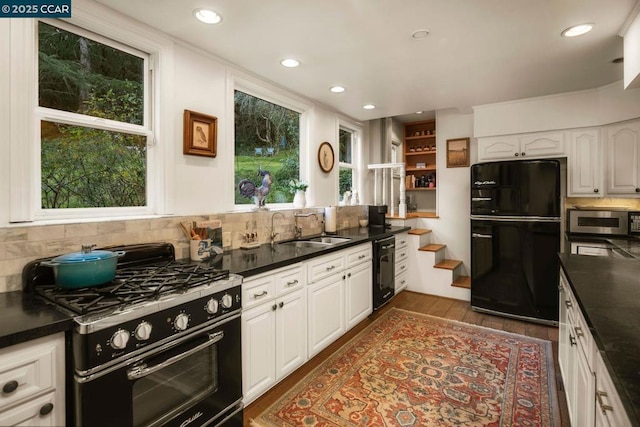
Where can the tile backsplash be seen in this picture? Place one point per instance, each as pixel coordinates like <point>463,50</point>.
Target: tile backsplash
<point>21,244</point>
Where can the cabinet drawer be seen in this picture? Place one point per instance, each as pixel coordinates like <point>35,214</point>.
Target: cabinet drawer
<point>402,267</point>
<point>359,255</point>
<point>29,413</point>
<point>258,290</point>
<point>402,254</point>
<point>402,240</point>
<point>289,280</point>
<point>27,369</point>
<point>401,282</point>
<point>325,267</point>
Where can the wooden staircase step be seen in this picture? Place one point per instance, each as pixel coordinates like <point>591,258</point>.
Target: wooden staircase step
<point>419,231</point>
<point>448,264</point>
<point>433,247</point>
<point>462,282</point>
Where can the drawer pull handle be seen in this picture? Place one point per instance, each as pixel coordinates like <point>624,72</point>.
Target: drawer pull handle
<point>281,305</point>
<point>568,304</point>
<point>293,282</point>
<point>579,332</point>
<point>46,409</point>
<point>362,256</point>
<point>403,267</point>
<point>603,407</point>
<point>261,294</point>
<point>331,268</point>
<point>403,282</point>
<point>572,340</point>
<point>10,387</point>
<point>403,254</point>
<point>274,307</point>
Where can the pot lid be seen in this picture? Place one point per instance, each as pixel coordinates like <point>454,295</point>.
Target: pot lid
<point>77,257</point>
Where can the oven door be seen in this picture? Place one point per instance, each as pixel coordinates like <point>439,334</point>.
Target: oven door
<point>195,381</point>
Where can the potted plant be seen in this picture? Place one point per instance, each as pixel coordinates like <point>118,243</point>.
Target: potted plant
<point>298,188</point>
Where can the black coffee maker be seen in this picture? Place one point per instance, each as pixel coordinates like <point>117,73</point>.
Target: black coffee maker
<point>376,216</point>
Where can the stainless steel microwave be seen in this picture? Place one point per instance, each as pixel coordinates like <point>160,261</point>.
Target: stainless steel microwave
<point>610,222</point>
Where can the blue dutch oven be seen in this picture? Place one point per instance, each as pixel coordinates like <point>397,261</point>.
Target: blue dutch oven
<point>84,269</point>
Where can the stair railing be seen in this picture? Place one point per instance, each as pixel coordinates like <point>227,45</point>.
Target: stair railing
<point>380,192</point>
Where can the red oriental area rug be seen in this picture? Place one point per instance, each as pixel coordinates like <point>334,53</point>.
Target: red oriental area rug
<point>409,369</point>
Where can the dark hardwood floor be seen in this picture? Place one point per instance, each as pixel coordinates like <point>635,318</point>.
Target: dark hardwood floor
<point>434,306</point>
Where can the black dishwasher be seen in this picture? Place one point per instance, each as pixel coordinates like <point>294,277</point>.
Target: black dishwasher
<point>384,258</point>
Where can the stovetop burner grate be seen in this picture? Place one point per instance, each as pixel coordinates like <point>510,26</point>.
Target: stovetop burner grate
<point>134,285</point>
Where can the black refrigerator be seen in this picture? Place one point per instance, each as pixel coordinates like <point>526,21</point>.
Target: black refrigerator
<point>515,238</point>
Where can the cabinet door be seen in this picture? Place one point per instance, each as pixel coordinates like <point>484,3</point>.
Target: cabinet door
<point>569,374</point>
<point>498,147</point>
<point>543,144</point>
<point>585,163</point>
<point>609,409</point>
<point>325,302</point>
<point>584,388</point>
<point>359,294</point>
<point>623,152</point>
<point>258,350</point>
<point>401,282</point>
<point>563,333</point>
<point>291,333</point>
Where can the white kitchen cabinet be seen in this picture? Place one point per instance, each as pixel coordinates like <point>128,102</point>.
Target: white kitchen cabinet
<point>623,159</point>
<point>358,287</point>
<point>609,409</point>
<point>585,163</point>
<point>592,399</point>
<point>326,311</point>
<point>274,328</point>
<point>513,147</point>
<point>402,262</point>
<point>32,378</point>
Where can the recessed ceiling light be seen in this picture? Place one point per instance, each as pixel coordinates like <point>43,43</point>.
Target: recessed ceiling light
<point>369,107</point>
<point>577,30</point>
<point>207,16</point>
<point>337,89</point>
<point>419,112</point>
<point>290,63</point>
<point>419,34</point>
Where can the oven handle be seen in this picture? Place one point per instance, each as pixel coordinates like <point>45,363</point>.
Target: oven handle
<point>142,370</point>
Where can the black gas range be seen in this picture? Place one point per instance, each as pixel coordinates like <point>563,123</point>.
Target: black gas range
<point>162,340</point>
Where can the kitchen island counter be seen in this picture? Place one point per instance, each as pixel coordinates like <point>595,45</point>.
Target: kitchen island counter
<point>607,290</point>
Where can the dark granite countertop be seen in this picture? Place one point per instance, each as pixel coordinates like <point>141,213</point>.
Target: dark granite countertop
<point>608,292</point>
<point>249,262</point>
<point>24,317</point>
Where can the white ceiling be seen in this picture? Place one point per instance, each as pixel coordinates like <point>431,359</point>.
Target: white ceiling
<point>478,51</point>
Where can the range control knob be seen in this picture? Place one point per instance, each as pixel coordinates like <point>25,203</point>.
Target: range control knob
<point>226,301</point>
<point>143,331</point>
<point>212,306</point>
<point>181,322</point>
<point>119,339</point>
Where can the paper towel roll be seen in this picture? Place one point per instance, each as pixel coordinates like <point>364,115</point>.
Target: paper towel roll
<point>330,219</point>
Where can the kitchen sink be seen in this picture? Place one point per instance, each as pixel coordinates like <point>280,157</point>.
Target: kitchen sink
<point>329,240</point>
<point>305,244</point>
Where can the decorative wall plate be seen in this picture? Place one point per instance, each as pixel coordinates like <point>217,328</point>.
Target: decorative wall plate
<point>326,158</point>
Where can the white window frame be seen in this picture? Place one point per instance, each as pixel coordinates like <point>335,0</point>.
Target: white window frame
<point>246,84</point>
<point>108,27</point>
<point>356,155</point>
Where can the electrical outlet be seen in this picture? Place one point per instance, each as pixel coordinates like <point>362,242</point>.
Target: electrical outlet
<point>226,239</point>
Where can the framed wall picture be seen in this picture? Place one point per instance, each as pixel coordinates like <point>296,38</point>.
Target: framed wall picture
<point>458,153</point>
<point>326,157</point>
<point>200,134</point>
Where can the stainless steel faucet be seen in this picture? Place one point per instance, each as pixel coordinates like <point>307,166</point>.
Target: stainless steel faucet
<point>273,233</point>
<point>297,230</point>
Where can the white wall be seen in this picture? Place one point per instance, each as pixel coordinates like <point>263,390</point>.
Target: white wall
<point>202,83</point>
<point>452,227</point>
<point>596,107</point>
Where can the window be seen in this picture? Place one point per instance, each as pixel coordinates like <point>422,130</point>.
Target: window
<point>347,161</point>
<point>267,137</point>
<point>93,97</point>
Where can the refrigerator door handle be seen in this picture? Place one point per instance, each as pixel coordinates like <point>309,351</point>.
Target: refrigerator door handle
<point>481,199</point>
<point>516,218</point>
<point>482,236</point>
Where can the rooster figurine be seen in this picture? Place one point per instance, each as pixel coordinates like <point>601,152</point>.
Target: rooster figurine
<point>248,189</point>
